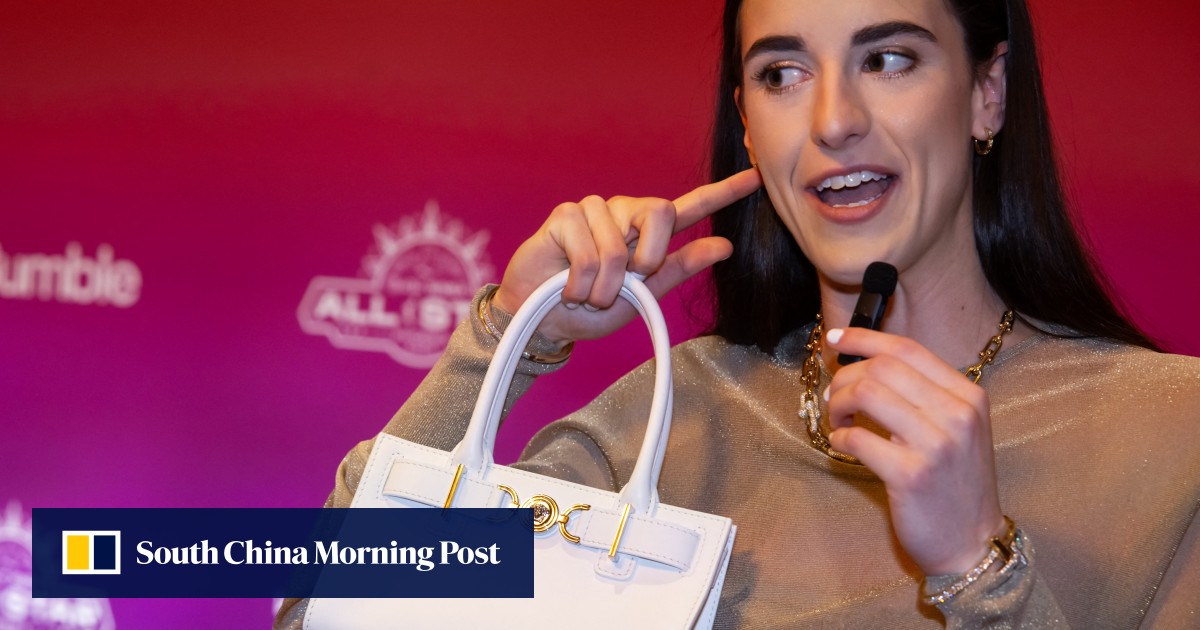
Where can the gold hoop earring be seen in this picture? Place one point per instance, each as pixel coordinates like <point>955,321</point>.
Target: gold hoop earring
<point>984,147</point>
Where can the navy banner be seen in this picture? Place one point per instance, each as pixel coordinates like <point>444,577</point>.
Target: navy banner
<point>278,552</point>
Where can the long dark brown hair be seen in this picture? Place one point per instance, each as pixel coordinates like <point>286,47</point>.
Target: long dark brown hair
<point>1030,251</point>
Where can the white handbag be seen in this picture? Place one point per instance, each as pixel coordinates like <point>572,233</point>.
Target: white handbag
<point>626,561</point>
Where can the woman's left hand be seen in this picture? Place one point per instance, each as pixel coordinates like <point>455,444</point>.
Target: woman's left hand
<point>938,465</point>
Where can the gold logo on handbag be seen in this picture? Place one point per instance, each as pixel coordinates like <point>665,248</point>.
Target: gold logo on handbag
<point>545,512</point>
<point>545,515</point>
<point>545,509</point>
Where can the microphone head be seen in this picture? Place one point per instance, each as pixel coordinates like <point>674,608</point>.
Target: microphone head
<point>880,278</point>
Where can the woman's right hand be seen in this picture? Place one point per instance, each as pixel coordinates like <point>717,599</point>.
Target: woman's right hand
<point>600,239</point>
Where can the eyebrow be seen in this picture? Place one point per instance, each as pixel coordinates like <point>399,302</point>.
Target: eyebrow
<point>775,43</point>
<point>877,32</point>
<point>866,35</point>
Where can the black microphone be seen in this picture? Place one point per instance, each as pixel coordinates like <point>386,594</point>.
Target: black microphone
<point>879,282</point>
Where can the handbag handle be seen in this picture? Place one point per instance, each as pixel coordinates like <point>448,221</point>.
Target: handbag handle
<point>475,451</point>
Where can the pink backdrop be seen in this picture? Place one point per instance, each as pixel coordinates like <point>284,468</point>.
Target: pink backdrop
<point>213,158</point>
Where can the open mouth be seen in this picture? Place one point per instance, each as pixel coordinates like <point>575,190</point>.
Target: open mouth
<point>853,189</point>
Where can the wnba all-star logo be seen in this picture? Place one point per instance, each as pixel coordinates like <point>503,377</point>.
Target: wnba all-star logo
<point>18,609</point>
<point>419,282</point>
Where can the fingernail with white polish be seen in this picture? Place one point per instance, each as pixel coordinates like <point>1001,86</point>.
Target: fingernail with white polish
<point>825,394</point>
<point>590,308</point>
<point>571,305</point>
<point>834,335</point>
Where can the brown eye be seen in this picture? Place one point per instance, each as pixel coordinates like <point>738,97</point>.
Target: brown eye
<point>889,62</point>
<point>780,77</point>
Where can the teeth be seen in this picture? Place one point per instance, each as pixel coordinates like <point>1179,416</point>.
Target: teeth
<point>857,203</point>
<point>850,180</point>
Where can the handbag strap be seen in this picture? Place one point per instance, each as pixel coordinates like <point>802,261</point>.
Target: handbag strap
<point>475,451</point>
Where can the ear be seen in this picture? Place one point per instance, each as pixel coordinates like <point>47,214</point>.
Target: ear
<point>737,98</point>
<point>988,97</point>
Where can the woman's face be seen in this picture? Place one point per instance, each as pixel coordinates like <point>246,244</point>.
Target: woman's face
<point>860,115</point>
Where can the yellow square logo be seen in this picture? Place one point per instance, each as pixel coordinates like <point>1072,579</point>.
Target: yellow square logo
<point>91,552</point>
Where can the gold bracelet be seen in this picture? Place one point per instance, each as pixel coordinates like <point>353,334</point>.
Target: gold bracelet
<point>1008,547</point>
<point>485,317</point>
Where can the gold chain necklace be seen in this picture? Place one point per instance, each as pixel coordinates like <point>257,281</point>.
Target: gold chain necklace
<point>810,408</point>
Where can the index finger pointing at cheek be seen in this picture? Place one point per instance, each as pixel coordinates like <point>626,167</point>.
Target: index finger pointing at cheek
<point>705,200</point>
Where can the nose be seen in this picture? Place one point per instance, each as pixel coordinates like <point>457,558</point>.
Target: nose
<point>840,118</point>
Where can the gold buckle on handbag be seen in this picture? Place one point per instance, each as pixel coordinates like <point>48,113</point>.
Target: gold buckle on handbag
<point>545,512</point>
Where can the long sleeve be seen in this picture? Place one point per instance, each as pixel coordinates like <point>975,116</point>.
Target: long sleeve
<point>1107,502</point>
<point>598,446</point>
<point>1021,599</point>
<point>1018,598</point>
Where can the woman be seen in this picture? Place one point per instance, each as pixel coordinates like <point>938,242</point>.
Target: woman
<point>912,132</point>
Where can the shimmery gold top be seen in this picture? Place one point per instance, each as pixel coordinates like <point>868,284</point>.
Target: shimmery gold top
<point>1097,452</point>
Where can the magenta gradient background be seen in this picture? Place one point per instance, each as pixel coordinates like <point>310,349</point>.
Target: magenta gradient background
<point>236,150</point>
